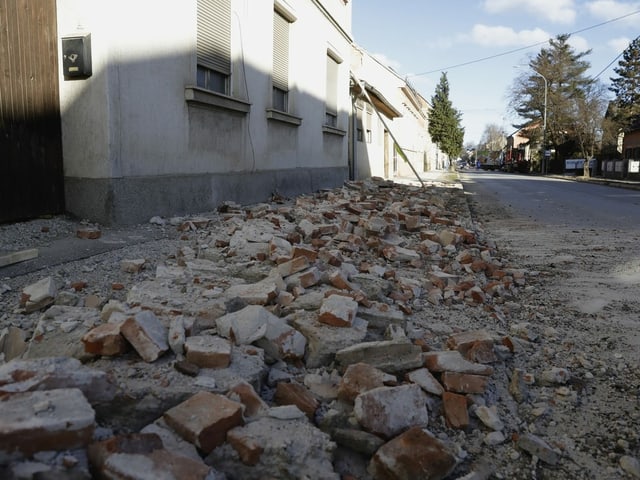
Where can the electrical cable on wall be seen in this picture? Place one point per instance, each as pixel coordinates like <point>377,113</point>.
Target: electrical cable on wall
<point>246,91</point>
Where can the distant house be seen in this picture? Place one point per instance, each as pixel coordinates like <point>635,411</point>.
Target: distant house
<point>389,113</point>
<point>517,155</point>
<point>630,165</point>
<point>173,107</point>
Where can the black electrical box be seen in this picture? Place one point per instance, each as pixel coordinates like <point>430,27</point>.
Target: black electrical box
<point>76,56</point>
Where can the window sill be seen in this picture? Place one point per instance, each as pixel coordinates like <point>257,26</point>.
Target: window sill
<point>200,96</point>
<point>333,130</point>
<point>283,117</point>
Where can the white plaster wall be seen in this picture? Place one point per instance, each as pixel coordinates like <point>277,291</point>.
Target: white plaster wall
<point>130,119</point>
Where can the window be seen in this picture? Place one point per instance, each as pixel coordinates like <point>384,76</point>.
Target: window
<point>214,45</point>
<point>331,107</point>
<point>280,76</point>
<point>369,120</point>
<point>395,158</point>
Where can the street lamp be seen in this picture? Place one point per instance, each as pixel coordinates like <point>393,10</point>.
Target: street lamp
<point>544,122</point>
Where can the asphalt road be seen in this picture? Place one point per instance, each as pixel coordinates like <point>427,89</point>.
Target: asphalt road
<point>557,201</point>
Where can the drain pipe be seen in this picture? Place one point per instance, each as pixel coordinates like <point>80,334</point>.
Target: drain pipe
<point>400,150</point>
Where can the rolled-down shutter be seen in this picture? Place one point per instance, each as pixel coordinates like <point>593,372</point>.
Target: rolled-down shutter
<point>332,85</point>
<point>280,52</point>
<point>214,35</point>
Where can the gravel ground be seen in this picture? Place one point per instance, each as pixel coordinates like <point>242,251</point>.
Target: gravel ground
<point>579,312</point>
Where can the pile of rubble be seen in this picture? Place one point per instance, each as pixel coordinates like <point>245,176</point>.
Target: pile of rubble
<point>283,340</point>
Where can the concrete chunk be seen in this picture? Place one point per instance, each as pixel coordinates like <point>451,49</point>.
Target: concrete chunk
<point>389,411</point>
<point>146,334</point>
<point>323,341</point>
<point>51,420</point>
<point>142,457</point>
<point>276,448</point>
<point>338,311</point>
<point>208,351</point>
<point>453,361</point>
<point>538,447</point>
<point>260,293</point>
<point>391,356</point>
<point>38,295</point>
<point>246,325</point>
<point>54,373</point>
<point>426,381</point>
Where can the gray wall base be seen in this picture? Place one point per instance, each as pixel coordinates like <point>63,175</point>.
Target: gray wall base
<point>134,200</point>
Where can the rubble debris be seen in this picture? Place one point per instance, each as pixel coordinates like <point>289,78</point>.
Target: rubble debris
<point>301,340</point>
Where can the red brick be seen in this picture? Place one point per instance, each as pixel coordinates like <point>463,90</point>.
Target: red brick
<point>291,393</point>
<point>249,450</point>
<point>105,339</point>
<point>244,393</point>
<point>204,419</point>
<point>414,454</point>
<point>362,377</point>
<point>464,382</point>
<point>455,410</point>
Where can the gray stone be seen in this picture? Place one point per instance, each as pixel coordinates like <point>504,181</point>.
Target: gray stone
<point>324,341</point>
<point>286,449</point>
<point>389,411</point>
<point>426,381</point>
<point>630,465</point>
<point>245,326</point>
<point>391,356</point>
<point>39,294</point>
<point>380,316</point>
<point>538,448</point>
<point>358,440</point>
<point>51,420</point>
<point>12,342</point>
<point>56,372</point>
<point>59,332</point>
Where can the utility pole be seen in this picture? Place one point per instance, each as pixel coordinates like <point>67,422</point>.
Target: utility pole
<point>544,124</point>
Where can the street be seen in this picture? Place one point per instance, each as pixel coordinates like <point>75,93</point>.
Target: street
<point>580,240</point>
<point>555,201</point>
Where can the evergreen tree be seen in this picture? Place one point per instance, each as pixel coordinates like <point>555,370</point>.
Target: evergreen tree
<point>444,121</point>
<point>626,86</point>
<point>563,70</point>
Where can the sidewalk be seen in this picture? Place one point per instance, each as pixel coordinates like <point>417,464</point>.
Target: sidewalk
<point>611,182</point>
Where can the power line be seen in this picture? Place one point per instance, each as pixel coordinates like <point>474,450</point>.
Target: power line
<point>612,61</point>
<point>490,57</point>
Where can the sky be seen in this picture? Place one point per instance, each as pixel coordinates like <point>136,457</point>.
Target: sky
<point>483,45</point>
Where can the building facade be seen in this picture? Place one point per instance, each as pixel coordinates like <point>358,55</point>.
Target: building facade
<point>196,102</point>
<point>390,121</point>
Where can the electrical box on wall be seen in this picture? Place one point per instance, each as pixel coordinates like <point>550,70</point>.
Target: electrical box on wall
<point>76,56</point>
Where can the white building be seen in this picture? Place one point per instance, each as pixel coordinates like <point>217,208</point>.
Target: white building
<point>193,102</point>
<point>390,113</point>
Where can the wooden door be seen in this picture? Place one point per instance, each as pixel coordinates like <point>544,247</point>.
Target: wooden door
<point>31,174</point>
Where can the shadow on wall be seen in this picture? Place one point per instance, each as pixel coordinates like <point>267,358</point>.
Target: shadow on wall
<point>141,140</point>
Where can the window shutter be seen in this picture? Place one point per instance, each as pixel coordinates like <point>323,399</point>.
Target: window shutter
<point>280,52</point>
<point>332,85</point>
<point>214,35</point>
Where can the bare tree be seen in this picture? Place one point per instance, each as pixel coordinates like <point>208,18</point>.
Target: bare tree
<point>494,138</point>
<point>587,113</point>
